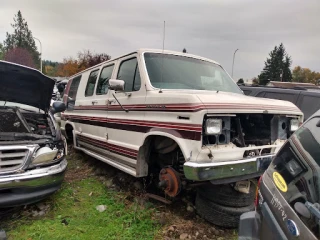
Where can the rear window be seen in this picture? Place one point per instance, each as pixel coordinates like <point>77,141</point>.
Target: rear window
<point>309,105</point>
<point>247,92</point>
<point>282,96</point>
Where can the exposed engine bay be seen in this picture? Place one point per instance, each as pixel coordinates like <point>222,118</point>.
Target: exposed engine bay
<point>22,125</point>
<point>244,130</point>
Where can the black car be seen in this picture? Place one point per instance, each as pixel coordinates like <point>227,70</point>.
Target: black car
<point>32,148</point>
<point>308,100</point>
<point>288,193</point>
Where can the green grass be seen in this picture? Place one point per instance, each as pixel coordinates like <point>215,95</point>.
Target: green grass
<point>73,215</point>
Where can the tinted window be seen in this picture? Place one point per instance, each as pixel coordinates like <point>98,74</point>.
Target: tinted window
<point>260,94</point>
<point>180,72</point>
<point>129,72</point>
<point>91,83</point>
<point>106,73</point>
<point>309,105</point>
<point>282,96</point>
<point>74,87</point>
<point>247,92</point>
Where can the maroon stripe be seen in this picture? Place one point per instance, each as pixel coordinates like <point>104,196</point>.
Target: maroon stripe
<point>178,131</point>
<point>184,107</point>
<point>111,147</point>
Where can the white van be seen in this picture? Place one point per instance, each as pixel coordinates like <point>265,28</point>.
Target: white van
<point>178,116</point>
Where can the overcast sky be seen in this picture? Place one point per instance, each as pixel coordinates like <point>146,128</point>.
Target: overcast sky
<point>212,28</point>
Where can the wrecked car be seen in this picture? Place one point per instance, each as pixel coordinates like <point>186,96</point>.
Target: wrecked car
<point>182,120</point>
<point>32,149</point>
<point>288,194</point>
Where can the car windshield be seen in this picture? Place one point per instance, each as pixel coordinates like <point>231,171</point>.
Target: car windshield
<point>169,71</point>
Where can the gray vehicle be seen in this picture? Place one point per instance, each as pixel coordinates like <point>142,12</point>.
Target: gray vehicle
<point>288,193</point>
<point>32,149</point>
<point>308,100</point>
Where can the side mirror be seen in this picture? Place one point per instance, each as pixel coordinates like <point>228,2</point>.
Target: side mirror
<point>116,85</point>
<point>58,107</point>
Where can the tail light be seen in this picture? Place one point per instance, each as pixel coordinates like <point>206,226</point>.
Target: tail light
<point>256,201</point>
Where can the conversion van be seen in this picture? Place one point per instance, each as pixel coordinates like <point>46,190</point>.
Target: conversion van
<point>177,116</point>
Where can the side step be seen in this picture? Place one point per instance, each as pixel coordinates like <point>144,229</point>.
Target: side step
<point>122,167</point>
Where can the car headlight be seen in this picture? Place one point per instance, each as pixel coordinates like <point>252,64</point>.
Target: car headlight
<point>294,125</point>
<point>46,154</point>
<point>213,126</point>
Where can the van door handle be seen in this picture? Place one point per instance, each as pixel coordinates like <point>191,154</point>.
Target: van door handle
<point>111,101</point>
<point>93,102</point>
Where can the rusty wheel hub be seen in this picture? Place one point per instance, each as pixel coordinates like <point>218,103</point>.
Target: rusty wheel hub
<point>170,181</point>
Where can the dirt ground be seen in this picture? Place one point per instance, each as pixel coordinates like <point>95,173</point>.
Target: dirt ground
<point>177,220</point>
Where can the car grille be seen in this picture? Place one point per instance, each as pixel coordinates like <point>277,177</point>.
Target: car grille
<point>11,158</point>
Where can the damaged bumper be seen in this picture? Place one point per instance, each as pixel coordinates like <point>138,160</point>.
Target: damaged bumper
<point>31,185</point>
<point>228,171</point>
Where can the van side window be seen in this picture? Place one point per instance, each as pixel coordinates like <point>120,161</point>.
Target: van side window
<point>102,86</point>
<point>72,93</point>
<point>74,87</point>
<point>91,83</point>
<point>129,73</point>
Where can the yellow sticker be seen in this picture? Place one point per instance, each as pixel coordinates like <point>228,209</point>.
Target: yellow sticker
<point>280,182</point>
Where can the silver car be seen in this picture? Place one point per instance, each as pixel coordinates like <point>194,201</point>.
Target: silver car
<point>32,149</point>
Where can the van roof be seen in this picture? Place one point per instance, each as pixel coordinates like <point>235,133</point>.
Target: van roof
<point>144,50</point>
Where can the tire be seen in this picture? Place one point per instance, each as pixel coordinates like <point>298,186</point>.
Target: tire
<point>226,195</point>
<point>227,217</point>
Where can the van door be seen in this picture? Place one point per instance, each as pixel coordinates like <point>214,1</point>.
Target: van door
<point>125,135</point>
<point>87,116</point>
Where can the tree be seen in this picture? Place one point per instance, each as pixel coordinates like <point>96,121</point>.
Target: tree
<point>240,81</point>
<point>19,56</point>
<point>68,68</point>
<point>255,81</point>
<point>184,50</point>
<point>277,67</point>
<point>88,59</point>
<point>22,38</point>
<point>50,68</point>
<point>305,75</point>
<point>1,52</point>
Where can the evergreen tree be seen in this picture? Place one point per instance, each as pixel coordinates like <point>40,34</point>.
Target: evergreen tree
<point>277,67</point>
<point>184,50</point>
<point>1,52</point>
<point>22,38</point>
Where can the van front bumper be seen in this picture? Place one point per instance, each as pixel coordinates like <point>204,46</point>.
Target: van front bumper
<point>32,185</point>
<point>227,171</point>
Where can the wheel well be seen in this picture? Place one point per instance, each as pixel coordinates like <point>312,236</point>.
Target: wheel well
<point>69,132</point>
<point>162,151</point>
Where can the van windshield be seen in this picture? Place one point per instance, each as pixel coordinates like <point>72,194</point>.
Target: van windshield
<point>168,71</point>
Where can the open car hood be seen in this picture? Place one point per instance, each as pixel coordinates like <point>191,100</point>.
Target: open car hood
<point>25,85</point>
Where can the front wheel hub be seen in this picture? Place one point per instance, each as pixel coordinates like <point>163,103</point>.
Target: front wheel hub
<point>170,181</point>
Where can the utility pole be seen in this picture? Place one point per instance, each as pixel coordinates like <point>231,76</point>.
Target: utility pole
<point>40,53</point>
<point>233,61</point>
